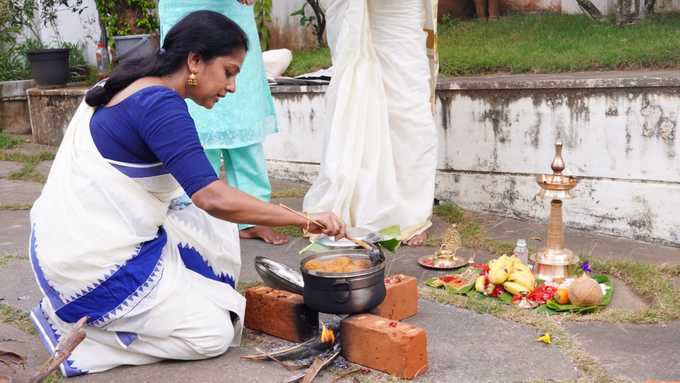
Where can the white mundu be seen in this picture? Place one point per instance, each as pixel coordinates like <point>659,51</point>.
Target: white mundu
<point>380,142</point>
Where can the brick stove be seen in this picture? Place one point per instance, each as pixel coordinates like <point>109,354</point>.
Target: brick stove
<point>377,340</point>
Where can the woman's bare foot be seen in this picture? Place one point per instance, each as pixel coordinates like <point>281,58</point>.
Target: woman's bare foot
<point>264,233</point>
<point>416,240</point>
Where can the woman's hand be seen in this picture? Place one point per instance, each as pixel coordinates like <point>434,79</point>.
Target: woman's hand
<point>247,2</point>
<point>334,227</point>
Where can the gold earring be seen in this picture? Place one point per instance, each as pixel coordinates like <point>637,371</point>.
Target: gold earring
<point>192,81</point>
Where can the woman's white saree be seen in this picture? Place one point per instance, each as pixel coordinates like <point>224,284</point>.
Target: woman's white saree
<point>154,281</point>
<point>380,154</point>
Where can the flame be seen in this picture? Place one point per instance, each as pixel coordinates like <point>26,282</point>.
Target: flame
<point>327,334</point>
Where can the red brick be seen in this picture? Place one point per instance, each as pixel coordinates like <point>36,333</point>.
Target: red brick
<point>401,300</point>
<point>396,348</point>
<point>280,313</point>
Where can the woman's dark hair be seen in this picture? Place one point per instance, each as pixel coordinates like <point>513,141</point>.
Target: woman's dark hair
<point>206,33</point>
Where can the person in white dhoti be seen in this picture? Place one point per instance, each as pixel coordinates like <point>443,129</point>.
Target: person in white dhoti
<point>378,167</point>
<point>155,277</point>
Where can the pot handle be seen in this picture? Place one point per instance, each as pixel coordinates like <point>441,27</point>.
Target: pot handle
<point>337,287</point>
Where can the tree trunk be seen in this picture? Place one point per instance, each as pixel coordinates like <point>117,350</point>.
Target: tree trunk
<point>480,8</point>
<point>590,9</point>
<point>629,11</point>
<point>494,9</point>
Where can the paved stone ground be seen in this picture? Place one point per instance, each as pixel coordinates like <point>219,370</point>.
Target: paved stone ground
<point>463,346</point>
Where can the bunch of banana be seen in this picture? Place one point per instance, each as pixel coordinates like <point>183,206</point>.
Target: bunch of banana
<point>515,276</point>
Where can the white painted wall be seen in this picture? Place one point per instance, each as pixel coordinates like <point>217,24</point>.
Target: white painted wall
<point>80,29</point>
<point>624,143</point>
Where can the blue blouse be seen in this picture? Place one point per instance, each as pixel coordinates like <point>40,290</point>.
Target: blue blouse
<point>151,133</point>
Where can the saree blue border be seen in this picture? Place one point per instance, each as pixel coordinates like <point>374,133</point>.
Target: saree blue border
<point>126,338</point>
<point>50,338</point>
<point>140,172</point>
<point>110,293</point>
<point>194,261</point>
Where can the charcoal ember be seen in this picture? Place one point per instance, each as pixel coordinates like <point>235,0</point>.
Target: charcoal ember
<point>341,363</point>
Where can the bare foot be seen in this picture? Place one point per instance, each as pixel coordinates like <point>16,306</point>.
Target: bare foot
<point>416,240</point>
<point>264,233</point>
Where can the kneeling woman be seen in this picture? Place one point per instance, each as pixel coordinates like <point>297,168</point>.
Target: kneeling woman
<point>154,278</point>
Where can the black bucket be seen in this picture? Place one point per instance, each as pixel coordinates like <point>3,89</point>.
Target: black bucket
<point>49,67</point>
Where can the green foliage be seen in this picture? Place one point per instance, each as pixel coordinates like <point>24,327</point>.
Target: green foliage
<point>125,17</point>
<point>7,141</point>
<point>263,16</point>
<point>309,61</point>
<point>13,65</point>
<point>318,21</point>
<point>76,57</point>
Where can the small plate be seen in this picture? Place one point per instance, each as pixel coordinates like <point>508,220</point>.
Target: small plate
<point>442,264</point>
<point>355,232</point>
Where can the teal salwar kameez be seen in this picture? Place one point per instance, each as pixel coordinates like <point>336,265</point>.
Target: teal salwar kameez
<point>234,129</point>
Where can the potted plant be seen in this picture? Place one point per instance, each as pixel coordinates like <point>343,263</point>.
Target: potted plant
<point>131,24</point>
<point>49,66</point>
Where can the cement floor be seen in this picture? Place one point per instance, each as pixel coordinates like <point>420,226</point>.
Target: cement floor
<point>463,346</point>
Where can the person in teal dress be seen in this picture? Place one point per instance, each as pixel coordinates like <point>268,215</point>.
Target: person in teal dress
<point>233,131</point>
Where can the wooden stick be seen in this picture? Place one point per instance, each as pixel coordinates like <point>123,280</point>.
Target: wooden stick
<point>310,219</point>
<point>317,366</point>
<point>321,225</point>
<point>64,348</point>
<point>279,353</point>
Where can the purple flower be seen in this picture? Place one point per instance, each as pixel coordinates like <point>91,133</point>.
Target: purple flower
<point>585,266</point>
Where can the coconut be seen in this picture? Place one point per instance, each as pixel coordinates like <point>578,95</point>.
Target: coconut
<point>584,291</point>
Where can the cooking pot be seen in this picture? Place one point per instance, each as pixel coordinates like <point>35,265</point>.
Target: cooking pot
<point>346,292</point>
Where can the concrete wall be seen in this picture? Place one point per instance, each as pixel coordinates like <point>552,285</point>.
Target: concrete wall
<point>14,116</point>
<point>51,111</point>
<point>619,131</point>
<point>285,30</point>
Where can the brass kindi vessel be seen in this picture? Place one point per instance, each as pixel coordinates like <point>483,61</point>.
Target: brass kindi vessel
<point>555,263</point>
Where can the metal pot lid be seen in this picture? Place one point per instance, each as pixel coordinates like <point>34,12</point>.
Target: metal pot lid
<point>278,275</point>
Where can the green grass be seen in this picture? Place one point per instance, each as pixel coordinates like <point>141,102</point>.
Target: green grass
<point>309,61</point>
<point>15,207</point>
<point>27,172</point>
<point>650,282</point>
<point>449,212</point>
<point>16,318</point>
<point>7,141</point>
<point>542,44</point>
<point>290,230</point>
<point>289,193</point>
<point>557,43</point>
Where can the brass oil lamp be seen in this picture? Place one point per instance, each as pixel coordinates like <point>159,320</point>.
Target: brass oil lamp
<point>555,262</point>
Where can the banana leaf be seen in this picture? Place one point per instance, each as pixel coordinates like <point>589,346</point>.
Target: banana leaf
<point>505,297</point>
<point>434,282</point>
<point>391,238</point>
<point>467,273</point>
<point>390,241</point>
<point>553,307</point>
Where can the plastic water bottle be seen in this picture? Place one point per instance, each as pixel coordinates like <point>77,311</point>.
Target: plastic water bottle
<point>522,251</point>
<point>102,58</point>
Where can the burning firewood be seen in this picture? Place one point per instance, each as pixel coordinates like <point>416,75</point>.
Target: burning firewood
<point>315,353</point>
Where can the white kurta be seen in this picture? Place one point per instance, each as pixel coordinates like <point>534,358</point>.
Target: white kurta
<point>380,144</point>
<point>155,281</point>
